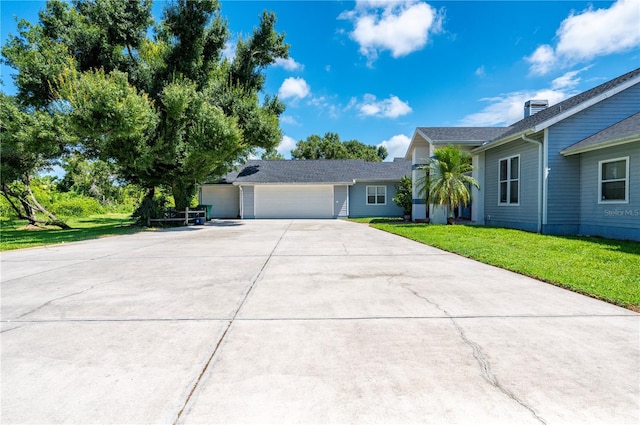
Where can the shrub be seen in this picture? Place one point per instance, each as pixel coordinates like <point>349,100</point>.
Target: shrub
<point>404,195</point>
<point>72,205</point>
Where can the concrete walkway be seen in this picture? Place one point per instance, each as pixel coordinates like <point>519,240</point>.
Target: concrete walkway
<point>302,321</point>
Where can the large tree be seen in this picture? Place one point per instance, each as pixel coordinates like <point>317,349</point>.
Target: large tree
<point>447,180</point>
<point>168,110</point>
<point>31,143</point>
<point>330,147</point>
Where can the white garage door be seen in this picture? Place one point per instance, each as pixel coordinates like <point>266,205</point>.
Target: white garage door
<point>225,199</point>
<point>294,201</point>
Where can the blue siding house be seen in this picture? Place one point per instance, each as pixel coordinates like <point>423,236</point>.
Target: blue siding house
<point>569,168</point>
<point>307,189</point>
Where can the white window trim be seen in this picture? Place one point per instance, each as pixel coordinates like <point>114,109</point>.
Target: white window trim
<point>366,194</point>
<point>509,180</point>
<point>626,181</point>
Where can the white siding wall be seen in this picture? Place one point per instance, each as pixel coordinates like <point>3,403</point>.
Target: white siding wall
<point>248,204</point>
<point>223,197</point>
<point>341,201</point>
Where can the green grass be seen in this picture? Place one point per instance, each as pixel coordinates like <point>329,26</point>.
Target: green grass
<point>601,268</point>
<point>14,235</point>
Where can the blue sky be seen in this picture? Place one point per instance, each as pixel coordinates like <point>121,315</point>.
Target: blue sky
<point>375,70</point>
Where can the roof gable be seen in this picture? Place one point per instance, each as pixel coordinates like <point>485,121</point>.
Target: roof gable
<point>565,109</point>
<point>625,131</point>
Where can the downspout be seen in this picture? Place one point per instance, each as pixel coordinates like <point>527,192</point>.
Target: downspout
<point>540,174</point>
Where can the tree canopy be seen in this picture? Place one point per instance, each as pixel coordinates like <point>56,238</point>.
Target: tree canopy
<point>159,101</point>
<point>330,147</point>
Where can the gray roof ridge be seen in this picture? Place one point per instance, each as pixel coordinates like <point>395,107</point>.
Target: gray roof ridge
<point>260,171</point>
<point>567,104</point>
<point>462,133</point>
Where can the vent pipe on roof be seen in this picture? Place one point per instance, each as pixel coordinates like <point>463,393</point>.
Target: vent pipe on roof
<point>534,106</point>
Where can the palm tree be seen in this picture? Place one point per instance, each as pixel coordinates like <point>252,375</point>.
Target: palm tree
<point>446,179</point>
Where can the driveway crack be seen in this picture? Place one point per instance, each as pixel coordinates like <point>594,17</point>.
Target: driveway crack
<point>210,361</point>
<point>12,329</point>
<point>483,363</point>
<point>62,298</point>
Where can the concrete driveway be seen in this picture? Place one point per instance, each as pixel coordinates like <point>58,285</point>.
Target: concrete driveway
<point>302,321</point>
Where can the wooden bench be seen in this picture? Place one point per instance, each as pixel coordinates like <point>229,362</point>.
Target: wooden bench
<point>173,216</point>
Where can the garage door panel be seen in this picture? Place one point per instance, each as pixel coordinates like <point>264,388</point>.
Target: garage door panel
<point>293,201</point>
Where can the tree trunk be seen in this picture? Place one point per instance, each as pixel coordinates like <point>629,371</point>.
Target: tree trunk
<point>147,209</point>
<point>29,206</point>
<point>182,194</point>
<point>451,219</point>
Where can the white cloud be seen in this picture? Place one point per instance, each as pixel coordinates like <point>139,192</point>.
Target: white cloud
<point>295,88</point>
<point>396,146</point>
<point>542,60</point>
<point>588,34</point>
<point>286,145</point>
<point>402,27</point>
<point>392,107</point>
<point>508,108</point>
<point>289,64</point>
<point>481,72</point>
<point>288,119</point>
<point>567,81</point>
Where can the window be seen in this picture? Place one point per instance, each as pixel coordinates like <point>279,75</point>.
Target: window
<point>613,177</point>
<point>509,181</point>
<point>376,195</point>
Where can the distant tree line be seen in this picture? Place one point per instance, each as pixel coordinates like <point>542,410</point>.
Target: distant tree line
<point>330,146</point>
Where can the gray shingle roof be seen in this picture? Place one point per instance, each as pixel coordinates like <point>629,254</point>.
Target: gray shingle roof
<point>552,111</point>
<point>462,134</point>
<point>627,129</point>
<point>318,171</point>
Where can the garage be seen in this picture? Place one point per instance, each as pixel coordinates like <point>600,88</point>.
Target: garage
<point>225,199</point>
<point>293,201</point>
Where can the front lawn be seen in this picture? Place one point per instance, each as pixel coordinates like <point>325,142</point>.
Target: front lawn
<point>14,235</point>
<point>601,268</point>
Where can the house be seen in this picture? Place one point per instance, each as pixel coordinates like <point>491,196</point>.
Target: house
<point>307,189</point>
<point>570,168</point>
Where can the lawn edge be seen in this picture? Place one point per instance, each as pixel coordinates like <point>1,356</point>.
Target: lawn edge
<point>631,307</point>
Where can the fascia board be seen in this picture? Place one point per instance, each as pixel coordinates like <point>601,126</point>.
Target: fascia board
<point>377,180</point>
<point>408,156</point>
<point>607,144</point>
<point>497,143</point>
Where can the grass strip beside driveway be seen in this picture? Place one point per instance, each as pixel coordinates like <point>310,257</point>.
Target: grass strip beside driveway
<point>14,235</point>
<point>601,268</point>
